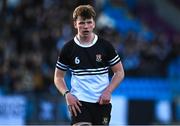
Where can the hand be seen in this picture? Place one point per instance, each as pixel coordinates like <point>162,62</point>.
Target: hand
<point>105,97</point>
<point>73,104</point>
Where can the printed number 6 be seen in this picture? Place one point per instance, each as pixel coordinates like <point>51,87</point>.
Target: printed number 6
<point>77,61</point>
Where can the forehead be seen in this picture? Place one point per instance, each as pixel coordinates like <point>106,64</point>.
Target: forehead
<point>80,19</point>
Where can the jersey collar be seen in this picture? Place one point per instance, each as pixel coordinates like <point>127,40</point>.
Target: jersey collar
<point>85,46</point>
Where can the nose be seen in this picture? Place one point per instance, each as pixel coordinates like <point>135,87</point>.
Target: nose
<point>85,25</point>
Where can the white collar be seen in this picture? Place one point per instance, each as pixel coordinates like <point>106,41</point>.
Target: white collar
<point>85,46</point>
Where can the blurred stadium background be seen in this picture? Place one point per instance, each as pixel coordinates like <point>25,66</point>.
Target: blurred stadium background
<point>144,32</point>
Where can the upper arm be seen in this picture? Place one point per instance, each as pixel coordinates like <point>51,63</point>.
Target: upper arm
<point>118,68</point>
<point>59,74</point>
<point>61,65</point>
<point>112,55</point>
<point>62,61</point>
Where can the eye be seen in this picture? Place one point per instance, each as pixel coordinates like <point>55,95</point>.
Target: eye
<point>89,22</point>
<point>81,23</point>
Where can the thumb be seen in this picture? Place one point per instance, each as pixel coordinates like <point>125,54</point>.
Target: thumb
<point>100,101</point>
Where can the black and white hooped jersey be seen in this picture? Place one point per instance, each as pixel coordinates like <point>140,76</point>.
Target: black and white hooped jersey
<point>89,66</point>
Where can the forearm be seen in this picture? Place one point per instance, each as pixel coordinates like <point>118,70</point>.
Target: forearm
<point>59,81</point>
<point>115,81</point>
<point>117,77</point>
<point>61,85</point>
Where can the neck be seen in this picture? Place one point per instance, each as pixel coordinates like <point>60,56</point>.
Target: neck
<point>86,39</point>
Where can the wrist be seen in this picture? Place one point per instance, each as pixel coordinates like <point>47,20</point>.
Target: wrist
<point>66,92</point>
<point>109,90</point>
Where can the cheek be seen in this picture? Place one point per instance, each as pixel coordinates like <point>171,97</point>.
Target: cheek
<point>93,25</point>
<point>77,27</point>
<point>80,27</point>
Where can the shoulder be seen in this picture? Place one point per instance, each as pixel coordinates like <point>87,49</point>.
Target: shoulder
<point>105,42</point>
<point>69,44</point>
<point>66,47</point>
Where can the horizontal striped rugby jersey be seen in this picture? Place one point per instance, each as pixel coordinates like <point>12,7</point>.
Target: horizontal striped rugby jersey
<point>89,66</point>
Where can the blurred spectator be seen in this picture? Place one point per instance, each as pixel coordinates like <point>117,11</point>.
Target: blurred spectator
<point>33,32</point>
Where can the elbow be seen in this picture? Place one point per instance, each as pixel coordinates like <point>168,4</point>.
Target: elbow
<point>54,80</point>
<point>123,74</point>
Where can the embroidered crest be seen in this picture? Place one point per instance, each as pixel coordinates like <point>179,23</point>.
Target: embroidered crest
<point>98,57</point>
<point>105,120</point>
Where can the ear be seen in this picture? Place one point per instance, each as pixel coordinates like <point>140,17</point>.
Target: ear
<point>75,24</point>
<point>94,24</point>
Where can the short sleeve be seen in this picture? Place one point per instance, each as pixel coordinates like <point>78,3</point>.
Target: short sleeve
<point>113,57</point>
<point>62,61</point>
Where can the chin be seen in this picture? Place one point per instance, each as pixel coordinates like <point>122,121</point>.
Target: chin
<point>85,35</point>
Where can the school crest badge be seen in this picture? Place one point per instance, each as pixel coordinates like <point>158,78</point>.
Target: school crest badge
<point>105,121</point>
<point>98,57</point>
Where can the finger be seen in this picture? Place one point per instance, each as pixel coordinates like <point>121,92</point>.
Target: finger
<point>106,101</point>
<point>79,103</point>
<point>74,111</point>
<point>101,101</point>
<point>77,108</point>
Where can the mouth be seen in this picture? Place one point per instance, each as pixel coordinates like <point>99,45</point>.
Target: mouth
<point>85,32</point>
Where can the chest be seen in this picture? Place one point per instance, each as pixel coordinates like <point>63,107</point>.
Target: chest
<point>87,58</point>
